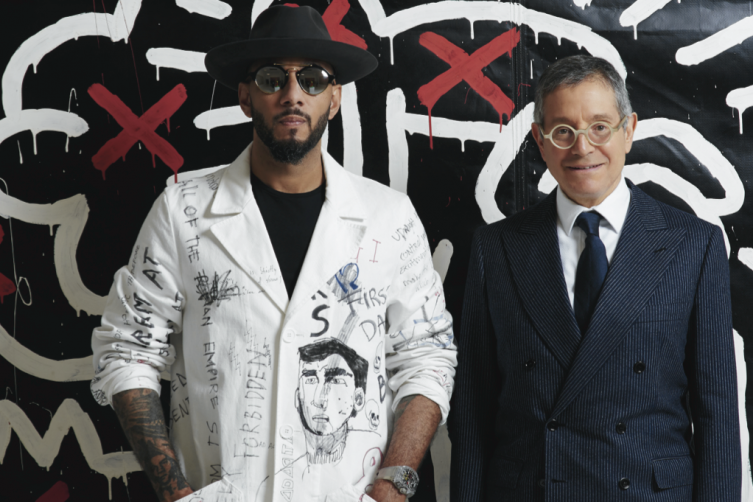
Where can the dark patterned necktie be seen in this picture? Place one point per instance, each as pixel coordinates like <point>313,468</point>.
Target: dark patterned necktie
<point>592,269</point>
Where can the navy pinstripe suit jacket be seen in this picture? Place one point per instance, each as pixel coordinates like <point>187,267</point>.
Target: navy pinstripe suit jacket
<point>540,414</point>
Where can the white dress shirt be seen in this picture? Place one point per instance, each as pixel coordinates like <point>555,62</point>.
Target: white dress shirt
<point>572,239</point>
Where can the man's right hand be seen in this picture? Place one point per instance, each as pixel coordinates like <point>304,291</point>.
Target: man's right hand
<point>140,415</point>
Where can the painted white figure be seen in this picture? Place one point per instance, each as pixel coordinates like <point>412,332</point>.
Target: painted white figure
<point>271,366</point>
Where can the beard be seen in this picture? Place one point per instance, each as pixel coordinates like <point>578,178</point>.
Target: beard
<point>291,150</point>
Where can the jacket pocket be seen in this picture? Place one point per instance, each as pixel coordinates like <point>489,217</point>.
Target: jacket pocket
<point>503,473</point>
<point>673,472</point>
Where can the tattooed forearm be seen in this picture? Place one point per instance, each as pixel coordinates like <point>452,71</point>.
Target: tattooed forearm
<point>402,405</point>
<point>140,415</point>
<point>416,420</point>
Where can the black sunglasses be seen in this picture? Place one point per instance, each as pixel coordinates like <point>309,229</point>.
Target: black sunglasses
<point>313,79</point>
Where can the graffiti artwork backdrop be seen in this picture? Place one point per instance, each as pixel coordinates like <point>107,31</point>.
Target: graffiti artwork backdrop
<point>106,101</point>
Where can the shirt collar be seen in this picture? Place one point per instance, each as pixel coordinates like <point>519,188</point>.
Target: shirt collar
<point>613,209</point>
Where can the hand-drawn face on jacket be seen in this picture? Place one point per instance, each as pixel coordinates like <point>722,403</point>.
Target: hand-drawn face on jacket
<point>331,385</point>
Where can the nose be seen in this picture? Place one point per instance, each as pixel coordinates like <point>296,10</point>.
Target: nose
<point>582,146</point>
<point>320,395</point>
<point>291,94</point>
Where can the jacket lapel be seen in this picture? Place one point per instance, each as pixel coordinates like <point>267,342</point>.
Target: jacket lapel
<point>337,235</point>
<point>645,249</point>
<point>243,232</point>
<point>534,255</point>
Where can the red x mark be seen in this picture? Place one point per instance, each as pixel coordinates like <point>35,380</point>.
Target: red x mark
<point>467,67</point>
<point>58,493</point>
<point>333,16</point>
<point>138,128</point>
<point>6,285</point>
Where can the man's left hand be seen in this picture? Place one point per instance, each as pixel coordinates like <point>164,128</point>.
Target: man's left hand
<point>384,491</point>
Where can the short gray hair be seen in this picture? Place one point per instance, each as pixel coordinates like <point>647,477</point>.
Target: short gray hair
<point>573,70</point>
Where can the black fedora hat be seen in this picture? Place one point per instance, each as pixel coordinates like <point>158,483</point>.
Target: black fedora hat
<point>287,31</point>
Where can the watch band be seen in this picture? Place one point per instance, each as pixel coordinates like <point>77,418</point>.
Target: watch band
<point>403,477</point>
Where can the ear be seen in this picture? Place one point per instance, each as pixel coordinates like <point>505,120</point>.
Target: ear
<point>359,399</point>
<point>335,100</point>
<point>537,135</point>
<point>244,98</point>
<point>632,123</point>
<point>297,400</point>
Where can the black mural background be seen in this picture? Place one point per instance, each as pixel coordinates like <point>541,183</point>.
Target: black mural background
<point>441,182</point>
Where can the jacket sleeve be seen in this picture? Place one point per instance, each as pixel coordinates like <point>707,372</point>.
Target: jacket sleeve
<point>131,347</point>
<point>712,382</point>
<point>420,353</point>
<point>471,424</point>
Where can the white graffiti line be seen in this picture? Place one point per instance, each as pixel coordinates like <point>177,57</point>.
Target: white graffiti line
<point>742,380</point>
<point>706,153</point>
<point>715,44</point>
<point>210,8</point>
<point>165,57</point>
<point>71,215</point>
<point>504,152</point>
<point>40,120</point>
<point>31,363</point>
<point>374,10</point>
<point>496,11</point>
<point>441,257</point>
<point>219,117</point>
<point>45,449</point>
<point>116,26</point>
<point>399,122</point>
<point>352,149</point>
<point>676,185</point>
<point>740,99</point>
<point>640,11</point>
<point>259,7</point>
<point>745,255</point>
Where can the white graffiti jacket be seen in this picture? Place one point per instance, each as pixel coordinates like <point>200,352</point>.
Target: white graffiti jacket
<point>277,399</point>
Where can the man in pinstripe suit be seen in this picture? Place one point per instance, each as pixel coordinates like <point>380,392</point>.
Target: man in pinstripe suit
<point>596,352</point>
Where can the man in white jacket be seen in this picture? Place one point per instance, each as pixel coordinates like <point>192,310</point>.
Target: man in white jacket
<point>293,305</point>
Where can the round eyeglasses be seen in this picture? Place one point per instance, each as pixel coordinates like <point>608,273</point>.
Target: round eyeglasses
<point>598,134</point>
<point>313,79</point>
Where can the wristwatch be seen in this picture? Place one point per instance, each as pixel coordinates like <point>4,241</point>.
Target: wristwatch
<point>403,477</point>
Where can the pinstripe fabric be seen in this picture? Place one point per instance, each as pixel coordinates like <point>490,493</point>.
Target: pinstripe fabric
<point>658,350</point>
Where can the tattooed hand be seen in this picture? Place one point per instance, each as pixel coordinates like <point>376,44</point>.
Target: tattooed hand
<point>140,415</point>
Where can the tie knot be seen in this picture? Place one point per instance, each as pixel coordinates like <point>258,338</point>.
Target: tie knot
<point>589,222</point>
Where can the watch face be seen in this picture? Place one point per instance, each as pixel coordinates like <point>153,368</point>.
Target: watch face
<point>406,481</point>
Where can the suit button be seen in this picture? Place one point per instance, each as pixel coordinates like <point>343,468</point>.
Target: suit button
<point>288,336</point>
<point>624,484</point>
<point>621,428</point>
<point>529,364</point>
<point>542,482</point>
<point>552,425</point>
<point>639,367</point>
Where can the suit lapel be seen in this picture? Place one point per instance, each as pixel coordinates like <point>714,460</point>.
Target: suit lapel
<point>337,235</point>
<point>243,232</point>
<point>644,251</point>
<point>534,255</point>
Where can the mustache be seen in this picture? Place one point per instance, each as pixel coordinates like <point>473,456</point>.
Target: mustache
<point>293,111</point>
